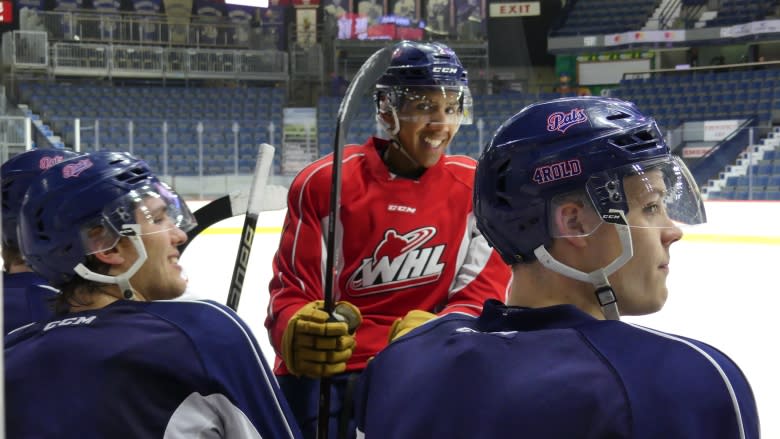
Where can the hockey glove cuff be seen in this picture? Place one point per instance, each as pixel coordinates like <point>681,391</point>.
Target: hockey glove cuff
<point>413,319</point>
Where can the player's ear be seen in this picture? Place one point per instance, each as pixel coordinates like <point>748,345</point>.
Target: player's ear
<point>111,256</point>
<point>570,220</point>
<point>387,118</point>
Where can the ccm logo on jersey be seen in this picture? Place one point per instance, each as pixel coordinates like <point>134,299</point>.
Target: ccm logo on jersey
<point>70,322</point>
<point>399,208</point>
<point>399,262</point>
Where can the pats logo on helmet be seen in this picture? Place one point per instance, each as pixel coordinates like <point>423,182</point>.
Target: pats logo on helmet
<point>49,161</point>
<point>560,121</point>
<point>75,169</point>
<point>18,173</point>
<point>398,262</point>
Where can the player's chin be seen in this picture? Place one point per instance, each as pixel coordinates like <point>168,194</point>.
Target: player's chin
<point>174,289</point>
<point>649,304</point>
<point>432,156</point>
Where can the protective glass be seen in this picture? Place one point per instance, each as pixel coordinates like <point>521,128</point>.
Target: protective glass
<point>434,104</point>
<point>156,207</point>
<point>658,193</point>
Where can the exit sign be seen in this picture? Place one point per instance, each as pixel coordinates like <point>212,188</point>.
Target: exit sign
<point>518,9</point>
<point>6,11</point>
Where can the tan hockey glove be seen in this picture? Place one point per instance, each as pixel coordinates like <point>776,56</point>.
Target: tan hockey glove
<point>313,346</point>
<point>411,320</point>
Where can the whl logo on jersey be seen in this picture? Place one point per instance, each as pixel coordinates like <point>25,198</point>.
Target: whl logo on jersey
<point>399,262</point>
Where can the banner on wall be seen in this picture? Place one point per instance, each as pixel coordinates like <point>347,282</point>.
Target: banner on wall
<point>146,6</point>
<point>355,26</point>
<point>306,26</point>
<point>717,130</point>
<point>67,5</point>
<point>645,36</point>
<point>31,4</point>
<point>178,13</point>
<point>438,17</point>
<point>299,139</point>
<point>469,19</point>
<point>373,10</point>
<point>272,28</point>
<point>409,9</point>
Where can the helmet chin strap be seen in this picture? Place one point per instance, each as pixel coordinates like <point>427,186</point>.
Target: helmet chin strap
<point>604,293</point>
<point>133,233</point>
<point>394,141</point>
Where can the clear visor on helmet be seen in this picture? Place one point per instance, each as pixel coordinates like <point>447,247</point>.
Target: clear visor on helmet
<point>659,193</point>
<point>434,104</point>
<point>155,207</point>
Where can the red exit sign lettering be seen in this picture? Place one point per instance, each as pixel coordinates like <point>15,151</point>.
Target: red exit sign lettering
<point>516,9</point>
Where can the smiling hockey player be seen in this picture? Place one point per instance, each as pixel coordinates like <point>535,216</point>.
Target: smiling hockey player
<point>409,250</point>
<point>119,359</point>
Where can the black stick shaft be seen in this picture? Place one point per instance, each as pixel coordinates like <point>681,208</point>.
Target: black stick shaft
<point>361,84</point>
<point>262,169</point>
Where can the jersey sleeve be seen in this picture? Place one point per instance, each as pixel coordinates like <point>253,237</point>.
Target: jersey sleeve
<point>482,275</point>
<point>298,263</point>
<point>240,388</point>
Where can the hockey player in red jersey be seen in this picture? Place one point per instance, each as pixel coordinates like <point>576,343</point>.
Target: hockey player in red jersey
<point>584,198</point>
<point>409,250</point>
<point>119,358</point>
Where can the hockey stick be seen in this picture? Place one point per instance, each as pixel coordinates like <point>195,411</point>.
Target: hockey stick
<point>265,157</point>
<point>224,207</point>
<point>363,82</point>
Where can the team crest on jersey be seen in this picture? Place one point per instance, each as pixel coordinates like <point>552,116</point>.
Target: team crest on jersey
<point>399,262</point>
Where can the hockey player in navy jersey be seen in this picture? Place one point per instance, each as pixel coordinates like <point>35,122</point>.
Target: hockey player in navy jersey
<point>119,359</point>
<point>27,297</point>
<point>583,198</point>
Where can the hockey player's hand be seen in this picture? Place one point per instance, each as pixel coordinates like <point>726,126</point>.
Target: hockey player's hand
<point>411,320</point>
<point>315,347</point>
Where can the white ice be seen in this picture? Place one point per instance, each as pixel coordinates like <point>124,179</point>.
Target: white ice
<point>721,283</point>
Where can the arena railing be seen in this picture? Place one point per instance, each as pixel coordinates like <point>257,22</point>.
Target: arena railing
<point>135,28</point>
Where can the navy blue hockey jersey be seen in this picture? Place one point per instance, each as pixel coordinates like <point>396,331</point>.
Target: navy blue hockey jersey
<point>27,298</point>
<point>165,369</point>
<point>551,373</point>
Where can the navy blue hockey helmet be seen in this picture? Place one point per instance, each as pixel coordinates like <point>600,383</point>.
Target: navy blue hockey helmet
<point>583,144</point>
<point>416,63</point>
<point>81,206</point>
<point>17,174</point>
<point>418,67</point>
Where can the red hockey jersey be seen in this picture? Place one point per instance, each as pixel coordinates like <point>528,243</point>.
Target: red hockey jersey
<point>405,244</point>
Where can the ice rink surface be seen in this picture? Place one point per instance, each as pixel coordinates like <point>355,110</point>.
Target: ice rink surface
<point>722,287</point>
